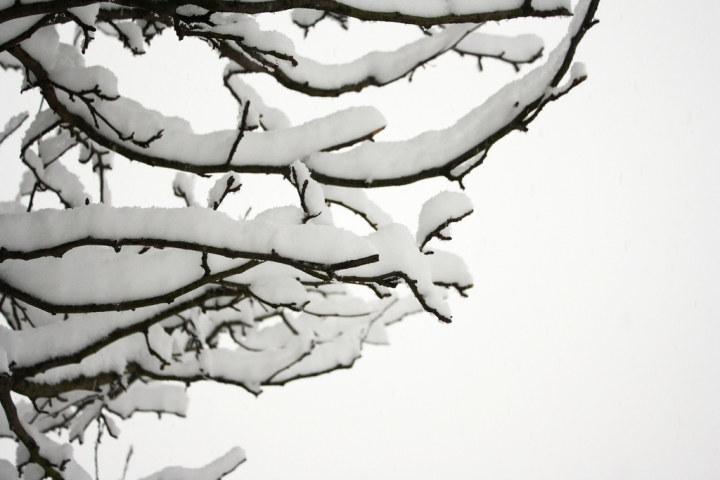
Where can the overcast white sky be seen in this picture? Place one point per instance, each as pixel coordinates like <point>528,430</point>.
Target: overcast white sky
<point>590,345</point>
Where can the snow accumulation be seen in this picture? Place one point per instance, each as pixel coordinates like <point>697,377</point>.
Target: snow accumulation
<point>398,253</point>
<point>248,29</point>
<point>102,277</point>
<point>312,197</point>
<point>430,150</point>
<point>8,470</point>
<point>306,17</point>
<point>86,14</point>
<point>321,245</point>
<point>14,28</point>
<point>133,36</point>
<point>435,8</point>
<point>191,10</point>
<point>259,114</point>
<point>382,67</point>
<point>187,294</point>
<point>224,185</point>
<point>521,48</point>
<point>184,186</point>
<point>152,397</point>
<point>356,200</point>
<point>177,143</point>
<point>8,61</point>
<point>213,471</point>
<point>58,178</point>
<point>12,125</point>
<point>438,212</point>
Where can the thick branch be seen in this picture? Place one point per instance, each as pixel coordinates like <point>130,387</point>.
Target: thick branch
<point>60,249</point>
<point>19,10</point>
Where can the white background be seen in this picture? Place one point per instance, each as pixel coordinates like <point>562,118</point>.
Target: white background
<point>590,345</point>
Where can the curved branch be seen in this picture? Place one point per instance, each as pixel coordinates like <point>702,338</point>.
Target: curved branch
<point>169,297</point>
<point>434,154</point>
<point>437,232</point>
<point>411,283</point>
<point>374,69</point>
<point>333,168</point>
<point>252,154</point>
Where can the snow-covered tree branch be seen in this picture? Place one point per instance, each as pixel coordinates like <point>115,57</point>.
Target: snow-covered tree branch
<point>109,311</point>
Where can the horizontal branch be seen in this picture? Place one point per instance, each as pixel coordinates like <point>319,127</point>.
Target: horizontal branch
<point>61,249</point>
<point>393,11</point>
<point>301,246</point>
